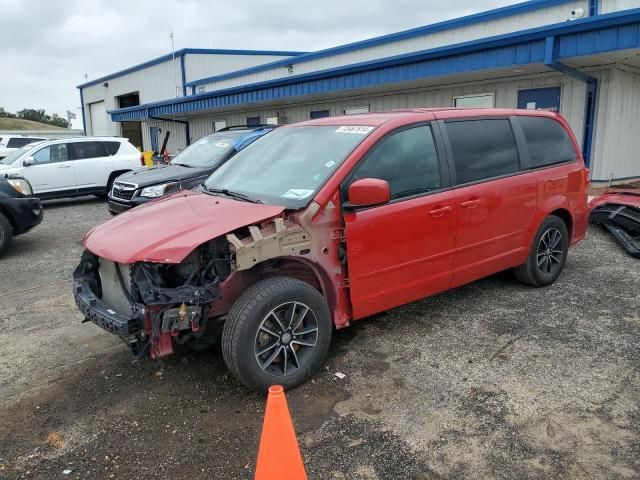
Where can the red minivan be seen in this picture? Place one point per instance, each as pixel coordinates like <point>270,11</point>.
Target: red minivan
<point>332,220</point>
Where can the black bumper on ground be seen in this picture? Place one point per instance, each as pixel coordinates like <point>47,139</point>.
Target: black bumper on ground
<point>94,310</point>
<point>26,212</point>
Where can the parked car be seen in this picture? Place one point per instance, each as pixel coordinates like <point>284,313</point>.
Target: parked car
<point>189,168</point>
<point>73,167</point>
<point>19,210</point>
<point>332,220</point>
<point>11,143</point>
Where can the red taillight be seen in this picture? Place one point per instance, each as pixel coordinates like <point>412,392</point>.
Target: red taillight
<point>142,159</point>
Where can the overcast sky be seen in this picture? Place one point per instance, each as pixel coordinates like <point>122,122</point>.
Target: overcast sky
<point>48,46</point>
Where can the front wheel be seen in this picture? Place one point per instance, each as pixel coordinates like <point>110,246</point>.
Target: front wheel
<point>277,333</point>
<point>548,254</point>
<point>6,233</point>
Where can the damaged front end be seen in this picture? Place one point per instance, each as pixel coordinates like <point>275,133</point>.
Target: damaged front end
<point>618,211</point>
<point>154,306</point>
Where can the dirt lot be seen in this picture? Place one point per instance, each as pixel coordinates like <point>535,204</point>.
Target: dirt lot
<point>493,380</point>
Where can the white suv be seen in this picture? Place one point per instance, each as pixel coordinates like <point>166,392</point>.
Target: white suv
<point>73,166</point>
<point>10,143</point>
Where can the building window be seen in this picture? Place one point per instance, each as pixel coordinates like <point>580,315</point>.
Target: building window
<point>319,114</point>
<point>253,121</point>
<point>483,100</point>
<point>356,110</point>
<point>128,100</point>
<point>219,125</point>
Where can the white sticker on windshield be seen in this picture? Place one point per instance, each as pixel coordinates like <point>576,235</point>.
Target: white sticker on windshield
<point>330,164</point>
<point>221,145</point>
<point>357,129</point>
<point>297,193</point>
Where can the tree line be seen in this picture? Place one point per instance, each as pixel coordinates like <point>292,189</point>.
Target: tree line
<point>36,115</point>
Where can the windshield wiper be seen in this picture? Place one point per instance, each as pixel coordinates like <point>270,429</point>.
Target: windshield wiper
<point>232,194</point>
<point>183,164</point>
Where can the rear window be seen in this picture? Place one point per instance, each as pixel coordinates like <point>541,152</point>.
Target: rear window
<point>547,141</point>
<point>18,142</point>
<point>81,150</point>
<point>482,149</point>
<point>112,147</point>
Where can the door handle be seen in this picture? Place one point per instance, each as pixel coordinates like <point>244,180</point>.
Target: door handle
<point>471,203</point>
<point>64,166</point>
<point>440,211</point>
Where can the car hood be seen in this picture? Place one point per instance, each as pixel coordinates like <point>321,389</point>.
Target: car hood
<point>168,229</point>
<point>161,174</point>
<point>7,167</point>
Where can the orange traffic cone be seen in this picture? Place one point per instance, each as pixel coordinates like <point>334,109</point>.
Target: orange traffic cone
<point>279,456</point>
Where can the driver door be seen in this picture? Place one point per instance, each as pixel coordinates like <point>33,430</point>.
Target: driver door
<point>51,171</point>
<point>401,251</point>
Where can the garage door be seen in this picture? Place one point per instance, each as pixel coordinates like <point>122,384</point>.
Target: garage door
<point>98,115</point>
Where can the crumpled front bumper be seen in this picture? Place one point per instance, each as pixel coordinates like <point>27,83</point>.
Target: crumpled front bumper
<point>96,311</point>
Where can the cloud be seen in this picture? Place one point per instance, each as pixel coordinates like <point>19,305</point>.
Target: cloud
<point>48,46</point>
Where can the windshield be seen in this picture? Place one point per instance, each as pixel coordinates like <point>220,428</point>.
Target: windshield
<point>209,151</point>
<point>289,165</point>
<point>15,155</point>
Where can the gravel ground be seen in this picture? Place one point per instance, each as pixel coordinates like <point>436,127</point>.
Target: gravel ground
<point>492,380</point>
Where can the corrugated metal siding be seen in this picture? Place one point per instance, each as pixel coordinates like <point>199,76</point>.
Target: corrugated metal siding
<point>154,84</point>
<point>202,66</point>
<point>177,138</point>
<point>608,6</point>
<point>506,95</point>
<point>617,140</point>
<point>545,16</point>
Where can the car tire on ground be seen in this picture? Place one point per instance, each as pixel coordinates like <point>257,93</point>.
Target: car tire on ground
<point>6,233</point>
<point>548,254</point>
<point>277,333</point>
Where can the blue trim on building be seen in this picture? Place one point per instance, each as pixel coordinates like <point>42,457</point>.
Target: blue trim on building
<point>187,51</point>
<point>84,120</point>
<point>580,37</point>
<point>183,75</point>
<point>551,49</point>
<point>497,13</point>
<point>594,7</point>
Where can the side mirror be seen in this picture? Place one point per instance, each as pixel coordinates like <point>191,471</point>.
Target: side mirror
<point>368,192</point>
<point>27,162</point>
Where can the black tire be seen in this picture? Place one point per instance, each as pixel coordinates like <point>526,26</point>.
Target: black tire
<point>243,334</point>
<point>6,233</point>
<point>548,254</point>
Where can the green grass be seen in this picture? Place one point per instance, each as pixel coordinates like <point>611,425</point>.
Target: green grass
<point>20,124</point>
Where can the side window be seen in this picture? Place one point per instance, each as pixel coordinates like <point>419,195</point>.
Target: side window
<point>82,150</point>
<point>547,141</point>
<point>407,160</point>
<point>112,147</point>
<point>18,142</point>
<point>482,149</point>
<point>51,154</point>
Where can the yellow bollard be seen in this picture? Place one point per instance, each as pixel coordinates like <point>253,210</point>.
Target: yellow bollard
<point>148,158</point>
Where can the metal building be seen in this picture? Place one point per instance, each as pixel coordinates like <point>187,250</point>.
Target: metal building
<point>578,57</point>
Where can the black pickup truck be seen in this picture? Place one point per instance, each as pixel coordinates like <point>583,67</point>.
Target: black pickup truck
<point>19,210</point>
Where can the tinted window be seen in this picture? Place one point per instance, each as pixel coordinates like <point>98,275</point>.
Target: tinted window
<point>112,147</point>
<point>407,160</point>
<point>82,150</point>
<point>53,153</point>
<point>18,142</point>
<point>319,114</point>
<point>482,149</point>
<point>547,140</point>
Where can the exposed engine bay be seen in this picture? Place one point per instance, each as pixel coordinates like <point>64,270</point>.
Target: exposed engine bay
<point>151,305</point>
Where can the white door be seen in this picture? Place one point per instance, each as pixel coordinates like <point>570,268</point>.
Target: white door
<point>98,115</point>
<point>52,170</point>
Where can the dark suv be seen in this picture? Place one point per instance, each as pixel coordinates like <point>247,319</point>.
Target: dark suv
<point>189,168</point>
<point>19,211</point>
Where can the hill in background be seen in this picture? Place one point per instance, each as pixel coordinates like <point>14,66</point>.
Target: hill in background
<point>20,124</point>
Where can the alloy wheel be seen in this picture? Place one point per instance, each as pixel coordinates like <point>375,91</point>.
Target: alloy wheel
<point>286,338</point>
<point>549,254</point>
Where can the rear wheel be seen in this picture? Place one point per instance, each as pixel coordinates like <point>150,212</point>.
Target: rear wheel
<point>6,233</point>
<point>277,333</point>
<point>548,254</point>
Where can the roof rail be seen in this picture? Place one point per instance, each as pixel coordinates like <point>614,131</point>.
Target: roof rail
<point>245,127</point>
